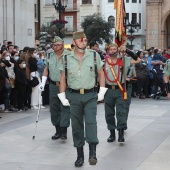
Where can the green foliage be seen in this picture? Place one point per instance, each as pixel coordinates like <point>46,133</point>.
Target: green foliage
<point>47,33</point>
<point>97,29</point>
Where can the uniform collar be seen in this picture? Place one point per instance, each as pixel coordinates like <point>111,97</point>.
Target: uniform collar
<point>86,54</point>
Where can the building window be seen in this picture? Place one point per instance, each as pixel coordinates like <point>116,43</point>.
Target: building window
<point>48,20</point>
<point>134,1</point>
<point>139,1</point>
<point>134,18</point>
<point>127,18</point>
<point>86,1</point>
<point>49,2</point>
<point>110,0</point>
<point>111,21</point>
<point>127,1</point>
<point>140,20</point>
<point>69,25</point>
<point>82,18</point>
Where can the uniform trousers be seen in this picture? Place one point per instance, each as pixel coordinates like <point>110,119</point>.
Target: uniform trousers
<point>115,105</point>
<point>83,109</point>
<point>60,115</point>
<point>128,101</point>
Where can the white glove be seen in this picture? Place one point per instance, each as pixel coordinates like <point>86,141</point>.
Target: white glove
<point>101,93</point>
<point>41,87</point>
<point>62,97</point>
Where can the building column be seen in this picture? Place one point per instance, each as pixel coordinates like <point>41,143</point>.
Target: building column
<point>154,37</point>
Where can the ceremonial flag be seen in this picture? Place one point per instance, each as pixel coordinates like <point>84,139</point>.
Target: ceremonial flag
<point>120,31</point>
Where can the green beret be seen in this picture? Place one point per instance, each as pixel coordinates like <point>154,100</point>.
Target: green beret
<point>78,35</point>
<point>57,39</point>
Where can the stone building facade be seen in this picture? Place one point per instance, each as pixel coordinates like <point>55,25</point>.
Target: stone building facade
<point>158,23</point>
<point>16,18</point>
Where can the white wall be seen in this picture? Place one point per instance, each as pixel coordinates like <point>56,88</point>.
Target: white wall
<point>16,17</point>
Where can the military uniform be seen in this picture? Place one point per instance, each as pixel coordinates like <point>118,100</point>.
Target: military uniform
<point>81,74</point>
<point>113,97</point>
<point>60,115</point>
<point>130,73</point>
<point>82,96</point>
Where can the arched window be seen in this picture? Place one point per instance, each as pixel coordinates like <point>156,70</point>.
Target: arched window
<point>111,20</point>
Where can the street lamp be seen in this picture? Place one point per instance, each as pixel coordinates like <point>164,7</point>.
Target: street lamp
<point>131,27</point>
<point>60,6</point>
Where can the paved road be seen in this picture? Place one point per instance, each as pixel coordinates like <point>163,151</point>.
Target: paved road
<point>147,145</point>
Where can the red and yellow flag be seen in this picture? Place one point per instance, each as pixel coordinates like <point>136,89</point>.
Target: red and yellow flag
<point>120,31</point>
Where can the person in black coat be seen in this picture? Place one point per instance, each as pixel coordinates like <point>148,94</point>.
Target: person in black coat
<point>21,83</point>
<point>4,93</point>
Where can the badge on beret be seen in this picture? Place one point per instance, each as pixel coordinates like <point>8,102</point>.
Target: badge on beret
<point>79,35</point>
<point>57,39</point>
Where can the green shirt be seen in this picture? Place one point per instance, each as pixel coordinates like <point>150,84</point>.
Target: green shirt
<point>166,70</point>
<point>81,74</point>
<point>110,75</point>
<point>131,72</point>
<point>54,65</point>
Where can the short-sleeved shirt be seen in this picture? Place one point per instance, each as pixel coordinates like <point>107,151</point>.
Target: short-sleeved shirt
<point>167,68</point>
<point>54,65</point>
<point>81,74</point>
<point>131,71</point>
<point>116,69</point>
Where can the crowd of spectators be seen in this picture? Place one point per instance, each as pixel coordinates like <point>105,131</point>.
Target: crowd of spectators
<point>18,67</point>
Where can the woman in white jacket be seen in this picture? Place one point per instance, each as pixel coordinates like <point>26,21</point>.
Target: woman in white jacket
<point>36,97</point>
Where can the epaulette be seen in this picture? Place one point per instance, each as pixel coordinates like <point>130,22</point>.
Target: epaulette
<point>67,52</point>
<point>92,50</point>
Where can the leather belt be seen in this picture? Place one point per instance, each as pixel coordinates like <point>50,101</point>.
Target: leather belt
<point>57,83</point>
<point>113,86</point>
<point>82,91</point>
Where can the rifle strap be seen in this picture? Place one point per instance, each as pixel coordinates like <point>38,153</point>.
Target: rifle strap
<point>95,67</point>
<point>65,67</point>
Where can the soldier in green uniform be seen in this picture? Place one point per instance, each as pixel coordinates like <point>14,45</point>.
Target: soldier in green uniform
<point>83,67</point>
<point>166,78</point>
<point>130,73</point>
<point>60,115</point>
<point>114,96</point>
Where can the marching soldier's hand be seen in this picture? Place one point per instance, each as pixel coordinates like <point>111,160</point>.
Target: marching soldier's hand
<point>41,87</point>
<point>101,93</point>
<point>64,101</point>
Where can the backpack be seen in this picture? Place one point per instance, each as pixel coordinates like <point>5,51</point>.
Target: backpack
<point>40,67</point>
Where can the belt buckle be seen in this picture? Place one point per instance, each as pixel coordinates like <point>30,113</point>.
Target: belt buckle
<point>57,84</point>
<point>113,87</point>
<point>81,91</point>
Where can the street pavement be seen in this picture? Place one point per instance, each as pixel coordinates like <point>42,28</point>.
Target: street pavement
<point>147,145</point>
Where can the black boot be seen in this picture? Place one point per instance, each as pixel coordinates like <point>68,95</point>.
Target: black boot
<point>63,135</point>
<point>92,154</point>
<point>80,157</point>
<point>112,136</point>
<point>57,134</point>
<point>121,135</point>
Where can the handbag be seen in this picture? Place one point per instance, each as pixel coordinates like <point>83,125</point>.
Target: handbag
<point>11,81</point>
<point>7,86</point>
<point>34,82</point>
